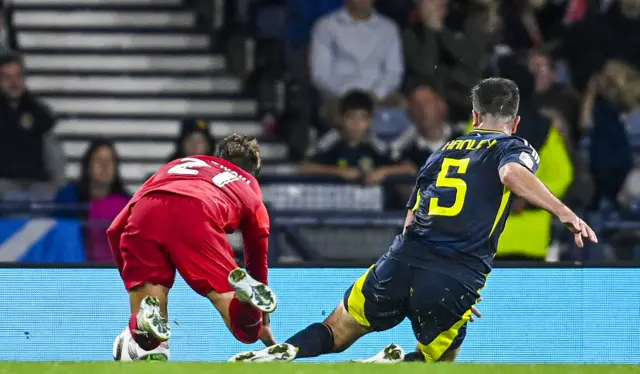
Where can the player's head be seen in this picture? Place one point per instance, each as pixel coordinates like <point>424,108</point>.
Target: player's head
<point>495,104</point>
<point>356,112</point>
<point>241,151</point>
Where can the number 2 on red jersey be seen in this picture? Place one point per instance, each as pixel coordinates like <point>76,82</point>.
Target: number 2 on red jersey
<point>189,166</point>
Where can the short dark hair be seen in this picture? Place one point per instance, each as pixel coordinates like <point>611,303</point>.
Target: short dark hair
<point>496,97</point>
<point>10,58</point>
<point>356,100</point>
<point>241,151</point>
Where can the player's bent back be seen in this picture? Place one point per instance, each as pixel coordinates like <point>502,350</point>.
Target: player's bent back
<point>179,220</point>
<point>459,203</point>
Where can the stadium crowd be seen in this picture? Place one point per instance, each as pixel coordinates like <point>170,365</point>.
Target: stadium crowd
<point>364,91</point>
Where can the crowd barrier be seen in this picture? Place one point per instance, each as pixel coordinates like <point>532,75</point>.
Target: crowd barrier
<point>531,315</point>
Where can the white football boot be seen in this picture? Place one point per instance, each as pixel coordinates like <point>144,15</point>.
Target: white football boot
<point>126,349</point>
<point>391,354</point>
<point>151,322</point>
<point>282,352</point>
<point>249,290</point>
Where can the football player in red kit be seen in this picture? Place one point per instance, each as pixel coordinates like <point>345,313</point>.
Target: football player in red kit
<point>179,220</point>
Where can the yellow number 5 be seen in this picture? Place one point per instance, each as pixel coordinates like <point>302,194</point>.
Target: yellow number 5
<point>443,181</point>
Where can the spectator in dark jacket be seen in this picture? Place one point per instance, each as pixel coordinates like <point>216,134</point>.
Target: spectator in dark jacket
<point>589,44</point>
<point>352,152</point>
<point>30,156</point>
<point>451,61</point>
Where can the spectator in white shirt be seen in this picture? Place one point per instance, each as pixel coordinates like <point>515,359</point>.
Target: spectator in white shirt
<point>356,48</point>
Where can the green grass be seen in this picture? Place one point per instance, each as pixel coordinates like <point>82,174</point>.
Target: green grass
<point>350,368</point>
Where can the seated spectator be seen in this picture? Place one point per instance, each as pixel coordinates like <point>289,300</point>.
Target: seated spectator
<point>194,139</point>
<point>352,153</point>
<point>356,48</point>
<point>101,188</point>
<point>430,130</point>
<point>451,61</point>
<point>31,159</point>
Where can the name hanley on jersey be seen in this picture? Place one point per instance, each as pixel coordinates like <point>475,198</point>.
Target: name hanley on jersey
<point>468,145</point>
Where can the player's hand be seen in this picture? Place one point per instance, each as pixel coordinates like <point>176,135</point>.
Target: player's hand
<point>475,312</point>
<point>579,228</point>
<point>266,337</point>
<point>375,177</point>
<point>518,205</point>
<point>350,174</point>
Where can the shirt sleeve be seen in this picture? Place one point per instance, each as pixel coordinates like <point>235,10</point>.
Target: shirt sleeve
<point>414,197</point>
<point>255,238</point>
<point>415,194</point>
<point>521,152</point>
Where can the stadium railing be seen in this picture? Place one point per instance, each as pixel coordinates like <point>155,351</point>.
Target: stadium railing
<point>314,219</point>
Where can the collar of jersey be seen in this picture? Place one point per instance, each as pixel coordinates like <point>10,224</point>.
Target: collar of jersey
<point>488,131</point>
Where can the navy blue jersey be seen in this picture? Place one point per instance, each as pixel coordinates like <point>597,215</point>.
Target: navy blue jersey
<point>460,204</point>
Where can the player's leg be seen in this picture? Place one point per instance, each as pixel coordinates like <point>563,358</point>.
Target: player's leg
<point>146,270</point>
<point>202,255</point>
<point>439,316</point>
<point>243,319</point>
<point>376,302</point>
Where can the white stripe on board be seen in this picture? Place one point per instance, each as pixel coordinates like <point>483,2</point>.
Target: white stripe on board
<point>160,128</point>
<point>156,107</point>
<point>92,19</point>
<point>158,151</point>
<point>83,3</point>
<point>124,63</point>
<point>133,85</point>
<point>101,41</point>
<point>20,242</point>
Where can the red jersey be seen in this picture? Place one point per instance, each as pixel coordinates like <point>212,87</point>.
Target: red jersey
<point>232,196</point>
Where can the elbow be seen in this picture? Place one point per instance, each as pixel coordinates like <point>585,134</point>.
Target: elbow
<point>509,174</point>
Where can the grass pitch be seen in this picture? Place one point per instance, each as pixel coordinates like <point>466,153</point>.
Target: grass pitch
<point>297,368</point>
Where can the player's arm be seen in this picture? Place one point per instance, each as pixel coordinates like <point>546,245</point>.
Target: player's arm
<point>255,239</point>
<point>521,181</point>
<point>412,205</point>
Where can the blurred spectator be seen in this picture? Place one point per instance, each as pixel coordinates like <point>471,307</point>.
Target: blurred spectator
<point>356,48</point>
<point>610,94</point>
<point>589,44</point>
<point>100,187</point>
<point>4,32</point>
<point>531,23</point>
<point>430,130</point>
<point>194,139</point>
<point>30,155</point>
<point>450,61</point>
<point>353,153</point>
<point>561,104</point>
<point>557,99</point>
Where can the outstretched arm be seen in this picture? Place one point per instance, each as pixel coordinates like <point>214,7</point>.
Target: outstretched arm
<point>525,184</point>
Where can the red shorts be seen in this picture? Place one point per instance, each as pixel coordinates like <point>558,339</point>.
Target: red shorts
<point>165,232</point>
